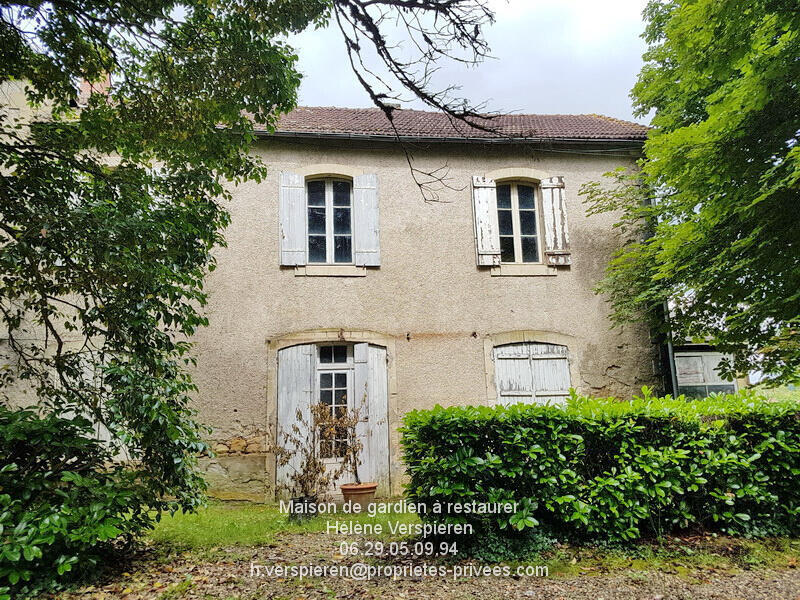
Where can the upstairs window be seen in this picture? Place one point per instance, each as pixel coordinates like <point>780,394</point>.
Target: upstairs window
<point>518,221</point>
<point>330,221</point>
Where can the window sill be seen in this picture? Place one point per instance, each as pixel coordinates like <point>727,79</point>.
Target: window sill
<point>524,270</point>
<point>330,271</point>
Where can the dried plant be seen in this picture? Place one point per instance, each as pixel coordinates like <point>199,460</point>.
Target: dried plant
<point>309,477</point>
<point>320,434</point>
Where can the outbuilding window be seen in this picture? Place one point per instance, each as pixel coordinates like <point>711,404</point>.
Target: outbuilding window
<point>698,376</point>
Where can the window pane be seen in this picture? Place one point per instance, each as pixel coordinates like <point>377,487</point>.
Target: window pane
<point>341,220</point>
<point>316,220</point>
<point>506,249</point>
<point>341,193</point>
<point>530,250</point>
<point>341,397</point>
<point>316,193</point>
<point>316,248</point>
<point>340,354</point>
<point>721,389</point>
<point>341,379</point>
<point>341,249</point>
<point>326,354</point>
<point>341,448</point>
<point>326,396</point>
<point>527,222</point>
<point>325,379</point>
<point>526,196</point>
<point>503,196</point>
<point>325,446</point>
<point>506,226</point>
<point>692,391</point>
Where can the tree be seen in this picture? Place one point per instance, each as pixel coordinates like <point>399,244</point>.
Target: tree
<point>111,203</point>
<point>711,222</point>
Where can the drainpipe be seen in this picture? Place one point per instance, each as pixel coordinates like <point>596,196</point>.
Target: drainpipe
<point>671,354</point>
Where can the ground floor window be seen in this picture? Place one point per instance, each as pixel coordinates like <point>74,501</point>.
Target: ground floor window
<point>334,378</point>
<point>697,374</point>
<point>531,372</point>
<point>343,377</point>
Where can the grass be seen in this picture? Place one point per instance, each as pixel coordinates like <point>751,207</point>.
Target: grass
<point>780,394</point>
<point>230,524</point>
<point>693,558</point>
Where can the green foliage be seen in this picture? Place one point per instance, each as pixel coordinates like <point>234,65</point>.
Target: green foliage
<point>112,200</point>
<point>110,208</point>
<point>61,505</point>
<point>711,220</point>
<point>491,545</point>
<point>599,469</point>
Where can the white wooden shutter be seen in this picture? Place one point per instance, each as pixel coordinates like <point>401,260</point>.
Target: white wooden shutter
<point>372,400</point>
<point>295,394</point>
<point>554,215</point>
<point>361,404</point>
<point>293,219</point>
<point>487,229</point>
<point>366,235</point>
<point>378,446</point>
<point>361,380</point>
<point>531,373</point>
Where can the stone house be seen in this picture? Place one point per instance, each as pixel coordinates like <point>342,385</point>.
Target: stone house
<point>341,284</point>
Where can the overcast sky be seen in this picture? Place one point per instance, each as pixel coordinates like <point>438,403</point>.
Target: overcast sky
<point>556,56</point>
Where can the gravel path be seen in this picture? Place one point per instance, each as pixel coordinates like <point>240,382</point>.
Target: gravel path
<point>227,574</point>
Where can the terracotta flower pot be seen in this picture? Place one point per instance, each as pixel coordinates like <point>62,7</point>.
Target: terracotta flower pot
<point>359,493</point>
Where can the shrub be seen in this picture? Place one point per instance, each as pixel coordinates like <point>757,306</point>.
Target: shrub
<point>62,501</point>
<point>600,469</point>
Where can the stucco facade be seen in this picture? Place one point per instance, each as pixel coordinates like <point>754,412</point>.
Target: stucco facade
<point>435,311</point>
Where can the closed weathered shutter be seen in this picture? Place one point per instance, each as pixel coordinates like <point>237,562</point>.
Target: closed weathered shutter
<point>378,447</point>
<point>370,388</point>
<point>487,230</point>
<point>554,215</point>
<point>292,219</point>
<point>531,373</point>
<point>366,239</point>
<point>361,404</point>
<point>295,391</point>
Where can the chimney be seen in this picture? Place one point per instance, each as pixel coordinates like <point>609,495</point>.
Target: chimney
<point>88,88</point>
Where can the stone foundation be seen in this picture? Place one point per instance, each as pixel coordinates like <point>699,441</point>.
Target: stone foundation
<point>236,476</point>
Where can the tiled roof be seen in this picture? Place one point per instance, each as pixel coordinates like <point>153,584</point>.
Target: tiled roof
<point>371,122</point>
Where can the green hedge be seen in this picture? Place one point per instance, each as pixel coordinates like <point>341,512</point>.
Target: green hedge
<point>62,506</point>
<point>600,469</point>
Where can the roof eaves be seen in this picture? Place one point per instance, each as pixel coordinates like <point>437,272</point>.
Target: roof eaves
<point>457,140</point>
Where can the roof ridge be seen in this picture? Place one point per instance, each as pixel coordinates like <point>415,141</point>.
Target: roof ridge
<point>428,124</point>
<point>618,120</point>
<point>488,115</point>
